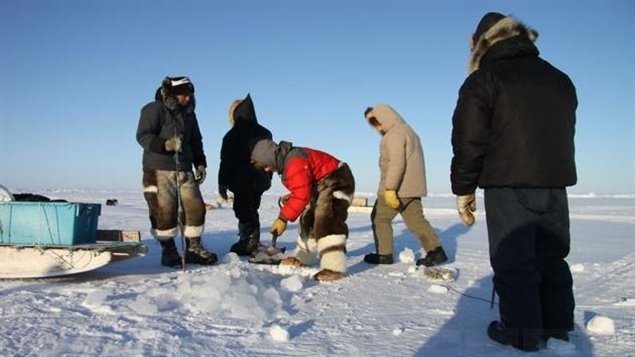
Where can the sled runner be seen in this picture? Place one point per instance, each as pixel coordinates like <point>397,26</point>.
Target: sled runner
<point>42,261</point>
<point>54,238</point>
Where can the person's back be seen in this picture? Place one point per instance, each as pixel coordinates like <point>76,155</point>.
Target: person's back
<point>525,116</point>
<point>236,171</point>
<point>402,164</point>
<point>238,175</point>
<point>401,187</point>
<point>513,130</point>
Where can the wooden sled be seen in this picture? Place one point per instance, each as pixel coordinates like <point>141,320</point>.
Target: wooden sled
<point>20,261</point>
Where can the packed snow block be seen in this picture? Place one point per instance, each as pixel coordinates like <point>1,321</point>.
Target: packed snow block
<point>48,223</point>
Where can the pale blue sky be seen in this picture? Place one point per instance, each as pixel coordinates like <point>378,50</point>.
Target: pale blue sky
<point>74,75</point>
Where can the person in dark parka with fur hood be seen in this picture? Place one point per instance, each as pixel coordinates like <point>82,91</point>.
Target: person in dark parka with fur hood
<point>237,175</point>
<point>513,131</point>
<point>172,145</point>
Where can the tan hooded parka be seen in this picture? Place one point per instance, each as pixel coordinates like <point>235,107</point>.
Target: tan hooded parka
<point>401,160</point>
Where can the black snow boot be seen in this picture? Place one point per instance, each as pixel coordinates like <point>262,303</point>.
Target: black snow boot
<point>169,255</point>
<point>373,258</point>
<point>195,253</point>
<point>247,244</point>
<point>512,337</point>
<point>434,257</point>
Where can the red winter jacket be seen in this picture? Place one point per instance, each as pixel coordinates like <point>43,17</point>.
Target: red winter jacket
<point>303,168</point>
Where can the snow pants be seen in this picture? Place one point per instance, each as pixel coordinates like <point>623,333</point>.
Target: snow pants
<point>160,192</point>
<point>412,213</point>
<point>323,229</point>
<point>529,238</point>
<point>246,204</point>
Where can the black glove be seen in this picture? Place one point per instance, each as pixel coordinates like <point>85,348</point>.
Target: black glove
<point>222,191</point>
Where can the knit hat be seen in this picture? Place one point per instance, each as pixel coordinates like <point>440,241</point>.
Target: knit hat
<point>264,153</point>
<point>178,85</point>
<point>490,19</point>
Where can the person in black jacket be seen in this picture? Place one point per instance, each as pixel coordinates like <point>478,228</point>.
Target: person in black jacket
<point>237,175</point>
<point>172,144</point>
<point>513,130</point>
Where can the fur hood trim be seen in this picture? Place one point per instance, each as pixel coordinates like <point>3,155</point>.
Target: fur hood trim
<point>502,30</point>
<point>385,115</point>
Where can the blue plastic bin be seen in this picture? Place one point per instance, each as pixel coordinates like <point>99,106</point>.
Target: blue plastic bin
<point>48,223</point>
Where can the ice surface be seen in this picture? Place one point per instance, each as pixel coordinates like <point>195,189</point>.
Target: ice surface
<point>239,308</point>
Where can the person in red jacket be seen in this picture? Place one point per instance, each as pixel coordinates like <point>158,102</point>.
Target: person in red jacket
<point>321,189</point>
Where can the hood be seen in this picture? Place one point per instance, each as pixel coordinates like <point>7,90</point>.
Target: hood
<point>264,153</point>
<point>243,112</point>
<point>170,102</point>
<point>385,115</point>
<point>502,30</point>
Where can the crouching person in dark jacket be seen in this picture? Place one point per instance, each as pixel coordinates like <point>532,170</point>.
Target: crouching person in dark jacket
<point>513,130</point>
<point>172,144</point>
<point>237,175</point>
<point>321,189</point>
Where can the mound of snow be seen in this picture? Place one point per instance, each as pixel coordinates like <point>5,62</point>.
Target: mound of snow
<point>601,325</point>
<point>407,256</point>
<point>278,333</point>
<point>292,283</point>
<point>625,302</point>
<point>577,268</point>
<point>397,331</point>
<point>437,289</point>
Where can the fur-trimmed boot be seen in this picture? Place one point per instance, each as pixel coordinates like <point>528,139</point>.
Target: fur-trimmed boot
<point>305,253</point>
<point>195,253</point>
<point>332,252</point>
<point>169,255</point>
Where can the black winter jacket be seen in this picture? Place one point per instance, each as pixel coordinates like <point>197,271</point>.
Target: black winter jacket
<point>236,171</point>
<point>158,124</point>
<point>514,122</point>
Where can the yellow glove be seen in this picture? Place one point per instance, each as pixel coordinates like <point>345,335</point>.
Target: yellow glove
<point>278,226</point>
<point>391,199</point>
<point>466,205</point>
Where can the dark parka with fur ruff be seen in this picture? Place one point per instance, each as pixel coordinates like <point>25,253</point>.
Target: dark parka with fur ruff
<point>163,119</point>
<point>514,122</point>
<point>236,171</point>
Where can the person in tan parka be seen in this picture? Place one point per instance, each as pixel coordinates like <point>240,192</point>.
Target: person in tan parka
<point>401,187</point>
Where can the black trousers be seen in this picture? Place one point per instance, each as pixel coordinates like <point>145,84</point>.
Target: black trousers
<point>529,238</point>
<point>246,204</point>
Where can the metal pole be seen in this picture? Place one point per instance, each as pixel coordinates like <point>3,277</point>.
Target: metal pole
<point>179,204</point>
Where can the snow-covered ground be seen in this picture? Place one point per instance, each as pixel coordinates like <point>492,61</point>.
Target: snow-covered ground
<point>137,307</point>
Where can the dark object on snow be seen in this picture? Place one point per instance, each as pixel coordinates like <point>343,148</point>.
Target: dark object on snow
<point>31,197</point>
<point>513,337</point>
<point>268,254</point>
<point>373,258</point>
<point>434,257</point>
<point>442,274</point>
<point>112,202</point>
